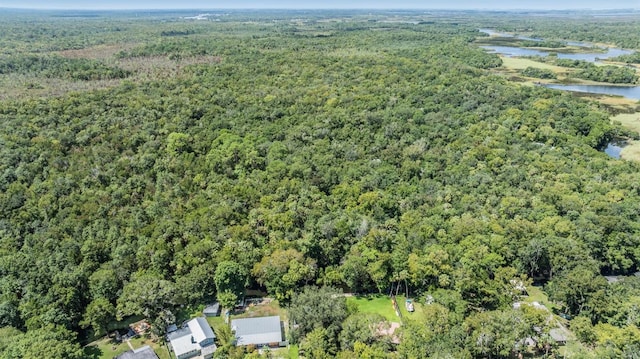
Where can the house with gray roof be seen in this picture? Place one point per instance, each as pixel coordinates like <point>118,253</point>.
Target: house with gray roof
<point>262,331</point>
<point>141,353</point>
<point>195,338</point>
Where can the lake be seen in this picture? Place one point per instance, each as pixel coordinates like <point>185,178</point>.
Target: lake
<point>632,92</point>
<point>512,51</point>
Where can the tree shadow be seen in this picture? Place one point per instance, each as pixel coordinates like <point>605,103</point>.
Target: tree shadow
<point>92,352</point>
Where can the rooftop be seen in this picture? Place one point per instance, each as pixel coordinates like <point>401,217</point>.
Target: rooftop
<point>260,330</point>
<point>184,344</point>
<point>200,329</point>
<point>212,309</point>
<point>141,353</point>
<point>189,338</point>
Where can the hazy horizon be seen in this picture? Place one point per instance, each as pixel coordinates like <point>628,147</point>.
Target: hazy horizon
<point>329,4</point>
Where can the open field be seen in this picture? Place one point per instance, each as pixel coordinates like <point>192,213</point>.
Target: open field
<point>537,295</point>
<point>515,63</point>
<point>631,151</point>
<point>380,304</point>
<point>628,120</point>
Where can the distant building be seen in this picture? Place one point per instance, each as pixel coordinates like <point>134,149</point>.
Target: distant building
<point>262,331</point>
<point>141,353</point>
<point>196,338</point>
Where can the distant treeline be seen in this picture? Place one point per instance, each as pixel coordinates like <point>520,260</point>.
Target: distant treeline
<point>54,66</point>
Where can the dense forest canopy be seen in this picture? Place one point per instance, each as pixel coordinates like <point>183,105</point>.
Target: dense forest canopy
<point>288,150</point>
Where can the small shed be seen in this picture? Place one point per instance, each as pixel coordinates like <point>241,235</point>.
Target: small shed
<point>559,335</point>
<point>212,310</point>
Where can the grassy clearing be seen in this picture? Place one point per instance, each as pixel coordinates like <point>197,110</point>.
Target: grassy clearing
<point>618,104</point>
<point>537,295</point>
<point>521,64</point>
<point>631,152</point>
<point>628,120</point>
<point>380,304</point>
<point>631,121</point>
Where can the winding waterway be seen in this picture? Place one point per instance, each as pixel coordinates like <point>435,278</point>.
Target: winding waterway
<point>511,51</point>
<point>614,148</point>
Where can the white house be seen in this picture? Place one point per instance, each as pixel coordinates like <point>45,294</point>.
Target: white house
<point>196,338</point>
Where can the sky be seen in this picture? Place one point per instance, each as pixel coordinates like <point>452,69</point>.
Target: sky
<point>326,4</point>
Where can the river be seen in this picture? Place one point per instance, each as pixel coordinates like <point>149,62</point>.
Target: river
<point>511,51</point>
<point>632,92</point>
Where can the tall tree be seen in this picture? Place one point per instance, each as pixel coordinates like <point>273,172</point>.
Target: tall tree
<point>317,308</point>
<point>230,279</point>
<point>284,270</point>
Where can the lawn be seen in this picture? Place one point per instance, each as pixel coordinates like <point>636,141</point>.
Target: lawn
<point>418,308</point>
<point>267,308</point>
<point>631,151</point>
<point>293,352</point>
<point>105,348</point>
<point>537,295</point>
<point>215,322</point>
<point>380,304</point>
